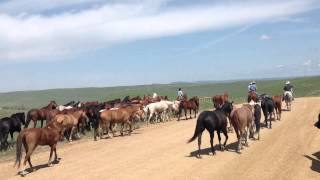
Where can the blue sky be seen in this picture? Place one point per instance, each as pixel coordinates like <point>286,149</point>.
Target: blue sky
<point>81,43</point>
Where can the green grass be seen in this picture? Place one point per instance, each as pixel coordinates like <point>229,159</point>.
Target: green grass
<point>13,102</point>
<point>24,100</point>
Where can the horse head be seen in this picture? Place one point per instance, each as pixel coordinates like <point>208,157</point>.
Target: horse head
<point>52,105</point>
<point>20,116</point>
<point>23,118</point>
<point>227,107</point>
<point>55,125</point>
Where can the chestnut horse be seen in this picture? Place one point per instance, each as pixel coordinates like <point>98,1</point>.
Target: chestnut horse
<point>70,121</point>
<point>242,121</point>
<point>278,105</point>
<point>253,96</point>
<point>220,99</point>
<point>120,115</point>
<point>32,137</point>
<point>191,104</point>
<point>39,114</point>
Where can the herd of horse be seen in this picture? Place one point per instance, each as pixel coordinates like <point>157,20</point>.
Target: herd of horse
<point>75,118</point>
<point>245,120</point>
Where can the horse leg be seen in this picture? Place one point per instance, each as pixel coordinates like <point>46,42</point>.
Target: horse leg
<point>247,136</point>
<point>225,133</point>
<point>11,134</point>
<point>149,118</point>
<point>199,145</point>
<point>35,123</point>
<point>130,128</point>
<point>185,113</point>
<point>50,157</point>
<point>29,151</point>
<point>219,138</point>
<point>239,141</point>
<point>211,143</point>
<point>270,120</point>
<point>5,141</point>
<point>111,129</point>
<point>41,123</point>
<point>70,135</point>
<point>121,131</point>
<point>55,153</point>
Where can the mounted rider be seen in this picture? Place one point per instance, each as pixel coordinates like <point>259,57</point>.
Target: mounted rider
<point>180,94</point>
<point>252,87</point>
<point>288,89</point>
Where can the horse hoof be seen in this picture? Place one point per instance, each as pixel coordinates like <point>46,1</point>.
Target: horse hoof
<point>49,164</point>
<point>22,173</point>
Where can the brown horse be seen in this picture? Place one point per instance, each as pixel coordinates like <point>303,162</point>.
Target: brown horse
<point>253,96</point>
<point>278,105</point>
<point>241,119</point>
<point>220,99</point>
<point>32,137</point>
<point>39,114</point>
<point>70,121</point>
<point>191,104</point>
<point>121,115</point>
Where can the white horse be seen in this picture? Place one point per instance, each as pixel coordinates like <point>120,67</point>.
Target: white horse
<point>288,97</point>
<point>61,107</point>
<point>173,105</point>
<point>156,109</point>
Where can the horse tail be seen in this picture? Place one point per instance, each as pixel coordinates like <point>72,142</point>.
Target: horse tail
<point>197,102</point>
<point>199,128</point>
<point>1,136</point>
<point>28,119</point>
<point>19,149</point>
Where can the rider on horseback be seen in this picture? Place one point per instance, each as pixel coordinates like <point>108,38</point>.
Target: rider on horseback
<point>180,94</point>
<point>288,88</point>
<point>252,87</point>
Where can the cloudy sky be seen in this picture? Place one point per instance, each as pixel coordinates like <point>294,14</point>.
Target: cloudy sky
<point>81,43</point>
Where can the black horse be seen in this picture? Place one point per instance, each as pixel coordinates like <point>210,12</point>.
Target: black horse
<point>10,125</point>
<point>71,103</point>
<point>268,108</point>
<point>93,113</point>
<point>213,121</point>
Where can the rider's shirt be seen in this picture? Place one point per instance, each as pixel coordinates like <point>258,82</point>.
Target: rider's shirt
<point>288,87</point>
<point>180,94</point>
<point>252,88</point>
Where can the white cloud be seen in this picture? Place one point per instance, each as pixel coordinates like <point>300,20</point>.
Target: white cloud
<point>280,66</point>
<point>37,36</point>
<point>319,65</point>
<point>265,37</point>
<point>307,62</point>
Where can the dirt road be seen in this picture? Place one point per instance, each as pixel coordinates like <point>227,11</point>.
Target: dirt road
<point>160,152</point>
